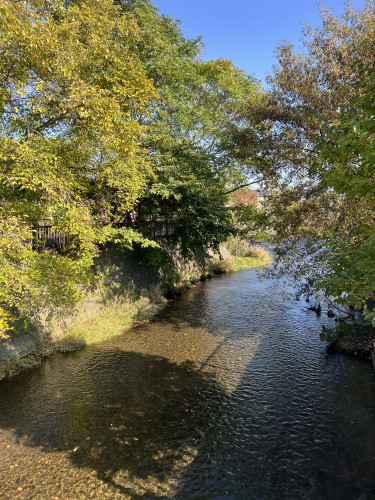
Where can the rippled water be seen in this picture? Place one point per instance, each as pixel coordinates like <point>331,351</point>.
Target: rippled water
<point>228,393</point>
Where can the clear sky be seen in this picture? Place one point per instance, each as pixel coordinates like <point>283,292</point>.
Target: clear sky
<point>247,31</point>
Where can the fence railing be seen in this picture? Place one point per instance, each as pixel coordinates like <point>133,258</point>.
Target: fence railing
<point>156,230</point>
<point>47,237</point>
<point>44,236</point>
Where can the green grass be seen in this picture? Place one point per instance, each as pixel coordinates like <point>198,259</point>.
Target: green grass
<point>114,317</point>
<point>241,263</point>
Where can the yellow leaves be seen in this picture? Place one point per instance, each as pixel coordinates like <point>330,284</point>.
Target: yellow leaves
<point>82,91</point>
<point>5,323</point>
<point>31,280</point>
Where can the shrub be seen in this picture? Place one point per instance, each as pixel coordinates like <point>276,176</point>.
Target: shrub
<point>258,252</point>
<point>222,266</point>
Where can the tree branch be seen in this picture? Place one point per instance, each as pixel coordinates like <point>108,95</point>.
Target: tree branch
<point>242,186</point>
<point>51,121</point>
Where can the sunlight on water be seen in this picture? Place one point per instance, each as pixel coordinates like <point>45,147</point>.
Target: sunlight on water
<point>229,360</point>
<point>228,393</point>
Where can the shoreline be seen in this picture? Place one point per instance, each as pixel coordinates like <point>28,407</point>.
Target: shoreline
<point>361,348</point>
<point>71,341</point>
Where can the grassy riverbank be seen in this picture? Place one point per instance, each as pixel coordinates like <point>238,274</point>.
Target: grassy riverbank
<point>115,316</point>
<point>93,325</point>
<point>244,258</point>
<point>126,309</point>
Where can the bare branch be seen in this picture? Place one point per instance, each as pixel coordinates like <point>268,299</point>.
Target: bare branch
<point>242,186</point>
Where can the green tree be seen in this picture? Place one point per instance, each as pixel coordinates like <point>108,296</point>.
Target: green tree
<point>194,172</point>
<point>108,115</point>
<point>347,155</point>
<point>313,219</point>
<point>72,89</point>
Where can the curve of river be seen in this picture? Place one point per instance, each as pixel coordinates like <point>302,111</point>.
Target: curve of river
<point>228,393</point>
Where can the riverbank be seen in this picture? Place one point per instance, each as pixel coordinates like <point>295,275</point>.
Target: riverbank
<point>360,347</point>
<point>186,405</point>
<point>131,307</point>
<point>245,257</point>
<point>353,338</point>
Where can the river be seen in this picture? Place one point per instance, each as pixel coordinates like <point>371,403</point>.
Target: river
<point>227,393</point>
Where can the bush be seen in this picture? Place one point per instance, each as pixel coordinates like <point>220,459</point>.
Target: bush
<point>258,252</point>
<point>222,266</point>
<point>237,247</point>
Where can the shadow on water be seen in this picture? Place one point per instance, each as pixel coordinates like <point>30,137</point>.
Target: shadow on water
<point>258,412</point>
<point>136,420</point>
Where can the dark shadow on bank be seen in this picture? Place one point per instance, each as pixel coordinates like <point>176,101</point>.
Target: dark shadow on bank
<point>129,416</point>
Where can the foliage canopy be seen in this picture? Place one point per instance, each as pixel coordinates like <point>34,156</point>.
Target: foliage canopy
<point>71,92</point>
<point>319,149</point>
<point>109,122</point>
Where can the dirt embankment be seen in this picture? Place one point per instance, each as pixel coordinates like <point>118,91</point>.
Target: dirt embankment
<point>358,347</point>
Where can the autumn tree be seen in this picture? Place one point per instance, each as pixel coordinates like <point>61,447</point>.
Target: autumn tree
<point>312,219</point>
<point>72,89</point>
<point>245,198</point>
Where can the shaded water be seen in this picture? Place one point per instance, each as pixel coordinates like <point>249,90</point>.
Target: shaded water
<point>228,393</point>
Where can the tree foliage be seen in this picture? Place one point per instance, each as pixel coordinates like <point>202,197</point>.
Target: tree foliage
<point>185,139</point>
<point>71,92</point>
<point>110,121</point>
<point>347,155</point>
<point>318,157</point>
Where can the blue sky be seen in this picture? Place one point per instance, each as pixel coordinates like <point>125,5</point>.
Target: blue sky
<point>247,31</point>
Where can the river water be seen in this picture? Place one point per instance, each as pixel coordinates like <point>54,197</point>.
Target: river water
<point>228,393</point>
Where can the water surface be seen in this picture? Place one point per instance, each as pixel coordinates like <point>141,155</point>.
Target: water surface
<point>228,393</point>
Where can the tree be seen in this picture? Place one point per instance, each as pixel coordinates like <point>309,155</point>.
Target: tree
<point>108,116</point>
<point>347,155</point>
<point>313,219</point>
<point>71,92</point>
<point>193,171</point>
<point>245,198</point>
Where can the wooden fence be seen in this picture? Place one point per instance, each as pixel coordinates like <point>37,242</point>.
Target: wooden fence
<point>46,237</point>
